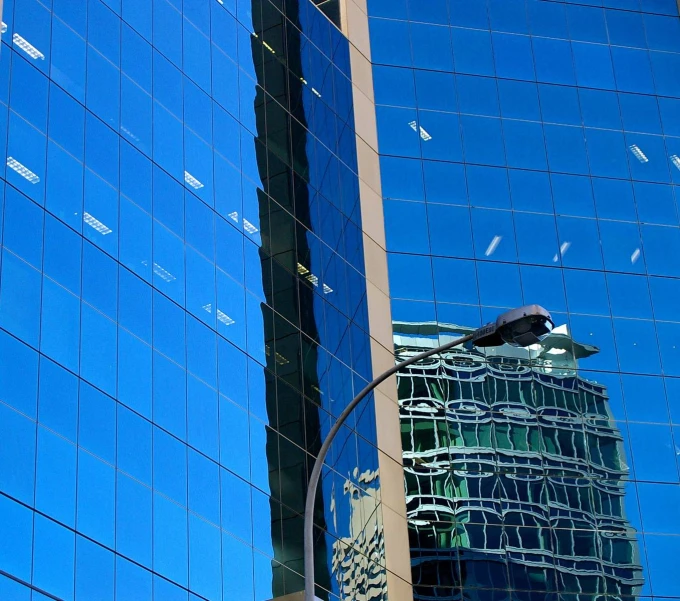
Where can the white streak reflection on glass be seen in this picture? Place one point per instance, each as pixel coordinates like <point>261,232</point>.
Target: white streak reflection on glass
<point>22,170</point>
<point>638,154</point>
<point>564,247</point>
<point>424,135</point>
<point>27,47</point>
<point>249,227</point>
<point>493,245</point>
<point>221,315</point>
<point>95,224</point>
<point>192,181</point>
<point>163,273</point>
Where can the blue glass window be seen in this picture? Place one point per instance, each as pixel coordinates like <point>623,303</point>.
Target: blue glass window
<point>508,15</point>
<point>55,491</point>
<point>134,445</point>
<point>633,70</point>
<point>510,295</point>
<point>483,140</point>
<point>468,14</point>
<point>665,66</point>
<point>131,580</point>
<point>26,158</point>
<point>662,32</point>
<point>518,99</point>
<point>661,244</point>
<point>444,182</point>
<point>60,327</point>
<point>138,14</point>
<point>599,108</point>
<point>394,47</point>
<point>553,61</point>
<point>547,19</point>
<point>572,195</point>
<point>94,570</point>
<point>626,28</point>
<point>472,51</point>
<point>170,553</point>
<point>96,499</point>
<point>614,199</point>
<point>58,402</point>
<point>566,149</point>
<point>402,131</point>
<point>579,243</point>
<point>524,145</point>
<point>28,95</point>
<point>488,187</point>
<point>23,228</point>
<point>530,190</point>
<point>536,238</point>
<point>607,153</point>
<point>440,218</point>
<point>513,56</point>
<point>477,95</point>
<point>98,354</point>
<point>434,90</point>
<point>431,47</point>
<point>455,281</point>
<point>559,104</point>
<point>16,547</point>
<point>440,136</point>
<point>64,186</point>
<point>655,203</point>
<point>53,557</point>
<point>406,224</point>
<point>133,519</point>
<point>493,235</point>
<point>17,461</point>
<point>97,423</point>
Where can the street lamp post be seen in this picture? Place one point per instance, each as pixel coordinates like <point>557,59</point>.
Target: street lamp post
<point>519,327</point>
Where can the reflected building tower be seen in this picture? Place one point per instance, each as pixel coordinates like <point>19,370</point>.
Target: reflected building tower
<point>514,473</point>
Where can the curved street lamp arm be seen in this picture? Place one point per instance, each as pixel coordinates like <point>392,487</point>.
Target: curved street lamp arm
<point>323,451</point>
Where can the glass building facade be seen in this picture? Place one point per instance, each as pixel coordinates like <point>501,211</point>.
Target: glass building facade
<point>529,154</point>
<point>188,298</point>
<point>182,303</point>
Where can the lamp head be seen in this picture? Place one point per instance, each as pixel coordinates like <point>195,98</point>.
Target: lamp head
<point>520,327</point>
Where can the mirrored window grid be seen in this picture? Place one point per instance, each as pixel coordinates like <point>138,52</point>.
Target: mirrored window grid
<point>529,154</point>
<point>182,302</point>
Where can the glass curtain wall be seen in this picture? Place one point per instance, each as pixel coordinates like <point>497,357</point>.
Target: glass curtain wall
<point>182,300</point>
<point>529,154</point>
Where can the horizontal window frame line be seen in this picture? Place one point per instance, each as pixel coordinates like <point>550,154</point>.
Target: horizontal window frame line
<point>30,586</point>
<point>115,553</point>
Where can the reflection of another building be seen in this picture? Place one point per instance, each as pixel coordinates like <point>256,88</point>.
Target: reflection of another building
<point>514,472</point>
<point>357,557</point>
<point>295,167</point>
<point>284,166</point>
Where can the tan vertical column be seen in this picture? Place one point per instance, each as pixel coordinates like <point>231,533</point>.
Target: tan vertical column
<point>397,555</point>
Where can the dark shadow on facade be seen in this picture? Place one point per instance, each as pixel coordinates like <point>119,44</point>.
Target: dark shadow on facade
<point>283,163</point>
